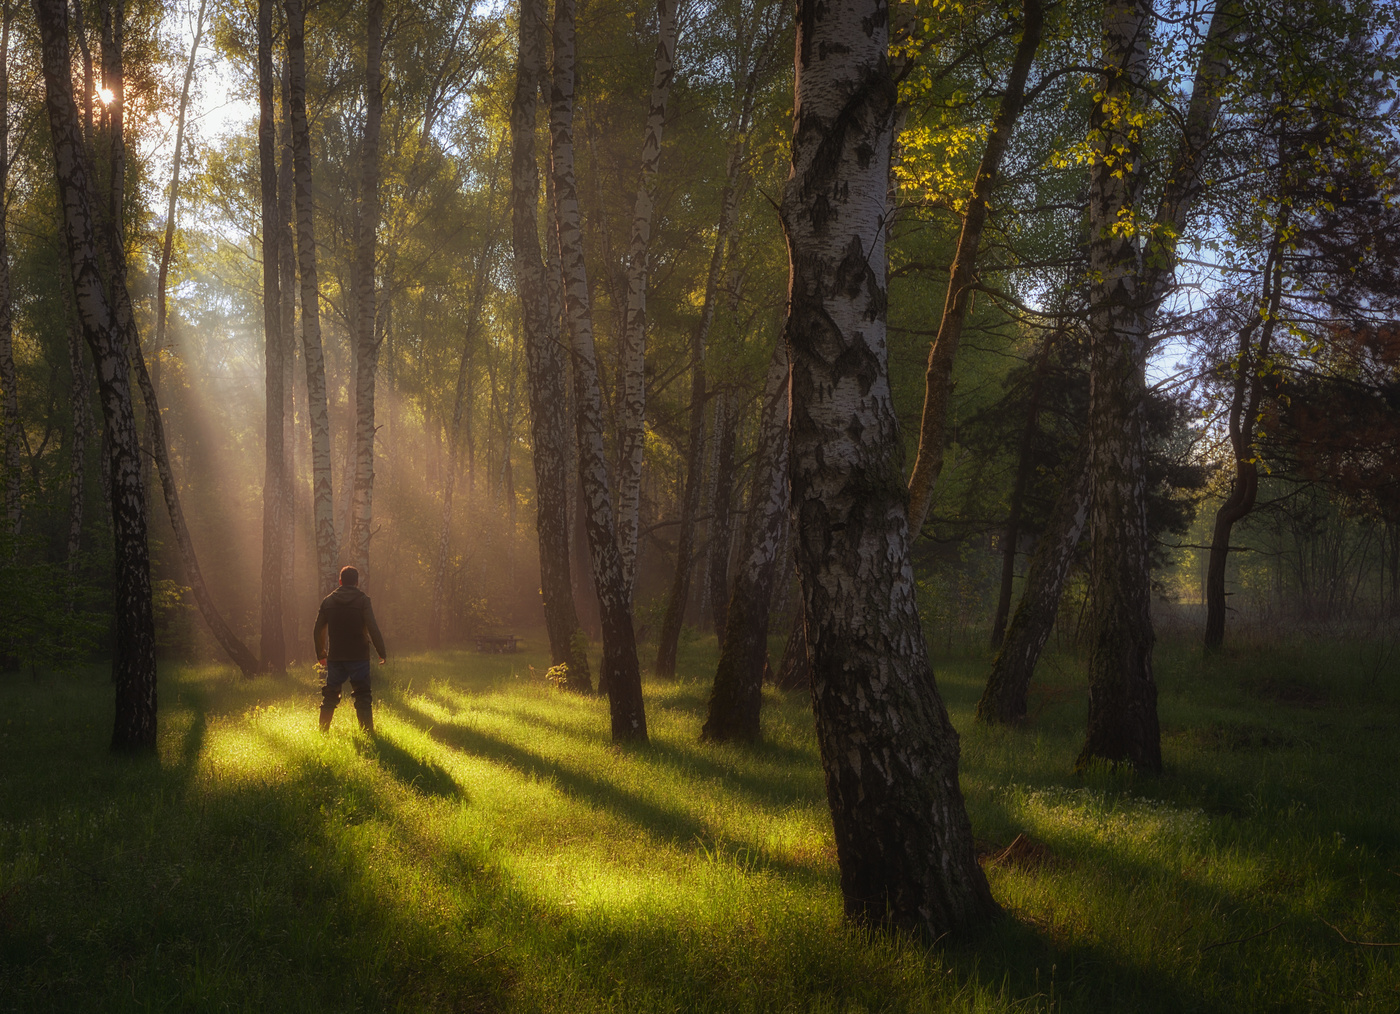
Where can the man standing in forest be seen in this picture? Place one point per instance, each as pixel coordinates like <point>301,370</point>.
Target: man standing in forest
<point>344,629</point>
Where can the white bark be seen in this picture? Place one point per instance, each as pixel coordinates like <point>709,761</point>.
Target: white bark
<point>633,428</point>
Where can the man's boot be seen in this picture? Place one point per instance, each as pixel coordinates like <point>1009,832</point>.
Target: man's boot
<point>326,714</point>
<point>365,713</point>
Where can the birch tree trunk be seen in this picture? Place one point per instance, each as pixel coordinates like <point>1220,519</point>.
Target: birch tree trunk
<point>274,650</point>
<point>621,674</point>
<point>366,334</point>
<point>134,661</point>
<point>544,361</point>
<point>317,407</point>
<point>14,477</point>
<point>738,691</point>
<point>286,287</point>
<point>633,429</point>
<point>168,245</point>
<point>963,273</point>
<point>1128,280</point>
<point>1004,698</point>
<point>794,670</point>
<point>903,841</point>
<point>77,459</point>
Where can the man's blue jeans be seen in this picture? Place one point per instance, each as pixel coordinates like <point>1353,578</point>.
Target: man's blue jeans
<point>357,672</point>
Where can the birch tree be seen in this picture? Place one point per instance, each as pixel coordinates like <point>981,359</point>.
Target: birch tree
<point>621,674</point>
<point>9,407</point>
<point>903,841</point>
<point>632,437</point>
<point>134,661</point>
<point>274,651</point>
<point>544,359</point>
<point>366,334</point>
<point>738,691</point>
<point>318,409</point>
<point>1131,261</point>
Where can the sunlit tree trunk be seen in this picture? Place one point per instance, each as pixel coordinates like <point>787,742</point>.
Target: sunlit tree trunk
<point>621,673</point>
<point>903,841</point>
<point>317,407</point>
<point>1004,698</point>
<point>1244,409</point>
<point>633,428</point>
<point>963,273</point>
<point>134,660</point>
<point>738,690</point>
<point>9,407</point>
<point>274,652</point>
<point>545,364</point>
<point>366,334</point>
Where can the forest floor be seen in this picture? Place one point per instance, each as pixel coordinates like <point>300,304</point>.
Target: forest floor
<point>492,851</point>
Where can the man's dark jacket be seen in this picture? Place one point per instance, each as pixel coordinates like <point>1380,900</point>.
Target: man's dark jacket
<point>347,617</point>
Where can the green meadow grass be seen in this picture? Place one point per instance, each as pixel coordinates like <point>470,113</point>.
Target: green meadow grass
<point>492,851</point>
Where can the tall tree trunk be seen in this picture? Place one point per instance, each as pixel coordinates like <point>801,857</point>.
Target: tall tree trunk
<point>1129,279</point>
<point>287,286</point>
<point>134,662</point>
<point>963,273</point>
<point>1122,723</point>
<point>168,245</point>
<point>738,690</point>
<point>9,408</point>
<point>317,407</point>
<point>621,674</point>
<point>722,514</point>
<point>633,430</point>
<point>668,641</point>
<point>903,841</point>
<point>274,649</point>
<point>1244,408</point>
<point>366,333</point>
<point>1025,465</point>
<point>545,365</point>
<point>1004,698</point>
<point>77,459</point>
<point>794,670</point>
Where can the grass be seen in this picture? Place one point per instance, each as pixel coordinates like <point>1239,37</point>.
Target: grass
<point>492,851</point>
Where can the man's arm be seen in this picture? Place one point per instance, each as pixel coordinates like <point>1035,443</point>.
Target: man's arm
<point>374,634</point>
<point>319,634</point>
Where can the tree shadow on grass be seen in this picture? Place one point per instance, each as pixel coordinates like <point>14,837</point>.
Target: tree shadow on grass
<point>412,772</point>
<point>664,822</point>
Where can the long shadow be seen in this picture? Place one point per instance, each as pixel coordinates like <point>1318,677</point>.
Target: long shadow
<point>664,822</point>
<point>412,772</point>
<point>697,758</point>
